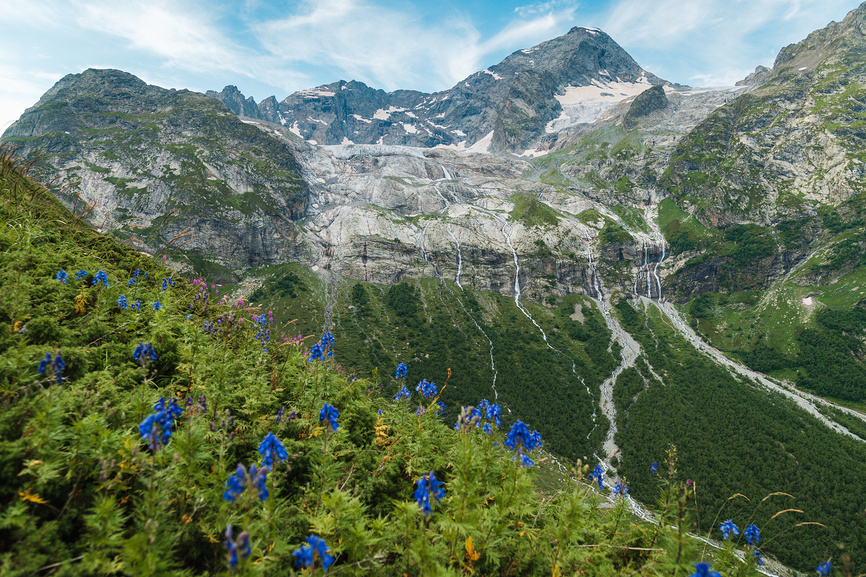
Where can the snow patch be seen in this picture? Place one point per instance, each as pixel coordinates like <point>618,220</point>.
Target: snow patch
<point>383,114</point>
<point>482,145</point>
<point>361,118</point>
<point>493,74</point>
<point>346,141</point>
<point>802,68</point>
<point>584,104</point>
<point>410,128</point>
<point>295,130</point>
<point>410,114</point>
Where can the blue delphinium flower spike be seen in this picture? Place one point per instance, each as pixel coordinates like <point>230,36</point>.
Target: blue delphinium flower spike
<point>403,393</point>
<point>236,484</point>
<point>156,427</point>
<point>620,489</point>
<point>157,305</point>
<point>598,476</point>
<point>143,353</point>
<point>703,570</point>
<point>306,555</point>
<point>59,365</point>
<point>316,353</point>
<point>121,302</point>
<point>426,388</point>
<point>62,276</point>
<point>100,277</point>
<point>329,414</point>
<point>428,486</point>
<point>758,556</point>
<point>80,275</point>
<point>824,568</point>
<point>44,363</point>
<point>402,370</point>
<point>271,447</point>
<point>259,480</point>
<point>654,468</point>
<point>727,528</point>
<point>752,535</point>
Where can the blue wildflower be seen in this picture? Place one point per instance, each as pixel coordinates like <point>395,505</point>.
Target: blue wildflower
<point>121,302</point>
<point>727,528</point>
<point>56,366</point>
<point>232,547</point>
<point>143,353</point>
<point>156,427</point>
<point>306,555</point>
<point>327,343</point>
<point>81,274</point>
<point>101,277</point>
<point>470,417</point>
<point>620,489</point>
<point>271,447</point>
<point>44,363</point>
<point>426,388</point>
<point>136,306</point>
<point>236,484</point>
<point>402,370</point>
<point>494,413</point>
<point>752,534</point>
<point>519,437</point>
<point>280,413</point>
<point>428,486</point>
<point>62,276</point>
<point>59,365</point>
<point>598,475</point>
<point>259,479</point>
<point>703,570</point>
<point>824,568</point>
<point>404,392</point>
<point>525,461</point>
<point>441,406</point>
<point>420,411</point>
<point>654,468</point>
<point>487,429</point>
<point>164,284</point>
<point>316,353</point>
<point>758,556</point>
<point>157,305</point>
<point>330,414</point>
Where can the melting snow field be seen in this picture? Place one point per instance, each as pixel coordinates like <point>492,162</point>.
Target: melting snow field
<point>583,104</point>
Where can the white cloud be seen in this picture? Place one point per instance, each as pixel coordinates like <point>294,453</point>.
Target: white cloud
<point>184,36</point>
<point>395,49</point>
<point>717,41</point>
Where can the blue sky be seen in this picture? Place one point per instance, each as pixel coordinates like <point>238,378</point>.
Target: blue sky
<point>276,47</point>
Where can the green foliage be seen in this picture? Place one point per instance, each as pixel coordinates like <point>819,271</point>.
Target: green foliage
<point>532,212</point>
<point>84,493</point>
<point>733,438</point>
<point>832,354</point>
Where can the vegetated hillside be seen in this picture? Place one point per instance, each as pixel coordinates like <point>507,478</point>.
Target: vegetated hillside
<point>166,167</point>
<point>131,396</point>
<point>736,438</point>
<point>491,347</point>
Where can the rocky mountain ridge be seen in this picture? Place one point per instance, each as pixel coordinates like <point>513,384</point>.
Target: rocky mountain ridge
<point>510,107</point>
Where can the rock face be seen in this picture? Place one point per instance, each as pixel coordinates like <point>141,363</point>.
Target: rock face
<point>164,168</point>
<point>644,104</point>
<point>789,147</point>
<point>400,192</point>
<point>510,107</point>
